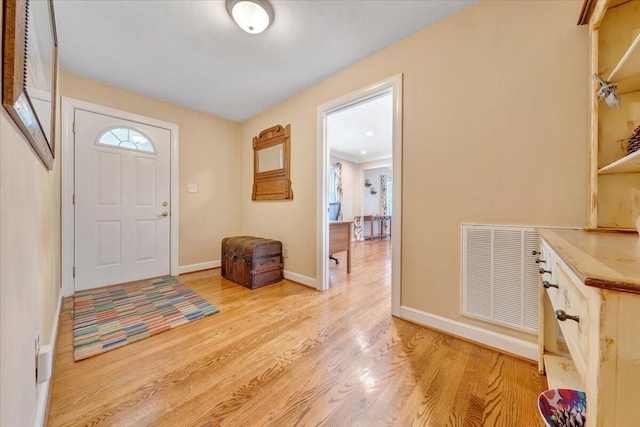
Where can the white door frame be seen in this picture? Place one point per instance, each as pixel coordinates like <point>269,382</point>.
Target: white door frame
<point>69,105</point>
<point>393,83</point>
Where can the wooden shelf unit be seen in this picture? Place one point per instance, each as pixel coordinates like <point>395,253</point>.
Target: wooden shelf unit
<point>628,164</point>
<point>562,373</point>
<point>596,283</point>
<point>626,74</point>
<point>615,55</point>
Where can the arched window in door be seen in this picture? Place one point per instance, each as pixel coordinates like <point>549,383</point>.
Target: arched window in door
<point>127,139</point>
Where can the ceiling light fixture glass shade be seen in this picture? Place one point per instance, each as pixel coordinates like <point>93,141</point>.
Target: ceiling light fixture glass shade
<point>253,16</point>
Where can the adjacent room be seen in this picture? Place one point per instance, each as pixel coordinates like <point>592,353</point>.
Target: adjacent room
<point>360,184</point>
<point>317,212</point>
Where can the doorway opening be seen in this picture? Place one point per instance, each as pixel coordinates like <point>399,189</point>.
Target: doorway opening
<point>119,195</point>
<point>359,174</point>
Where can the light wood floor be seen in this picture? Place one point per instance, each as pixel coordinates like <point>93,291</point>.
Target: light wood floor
<point>288,355</point>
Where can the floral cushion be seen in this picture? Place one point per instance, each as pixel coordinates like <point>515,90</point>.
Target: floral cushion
<point>563,408</point>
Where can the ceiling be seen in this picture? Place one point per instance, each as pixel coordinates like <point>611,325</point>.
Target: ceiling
<point>192,53</point>
<point>362,127</point>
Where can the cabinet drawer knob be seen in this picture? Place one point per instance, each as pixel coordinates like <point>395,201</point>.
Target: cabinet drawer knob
<point>542,271</point>
<point>562,316</point>
<point>538,261</point>
<point>536,253</point>
<point>548,285</point>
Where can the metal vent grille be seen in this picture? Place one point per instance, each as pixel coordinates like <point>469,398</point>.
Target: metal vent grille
<point>500,276</point>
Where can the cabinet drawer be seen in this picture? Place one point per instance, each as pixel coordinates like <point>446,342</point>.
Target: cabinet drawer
<point>549,265</point>
<point>569,299</point>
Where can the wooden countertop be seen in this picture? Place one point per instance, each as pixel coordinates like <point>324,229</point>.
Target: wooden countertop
<point>606,260</point>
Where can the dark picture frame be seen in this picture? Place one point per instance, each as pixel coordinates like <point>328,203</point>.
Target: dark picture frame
<point>30,72</point>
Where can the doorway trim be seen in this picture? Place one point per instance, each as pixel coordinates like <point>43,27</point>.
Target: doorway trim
<point>69,105</point>
<point>394,84</point>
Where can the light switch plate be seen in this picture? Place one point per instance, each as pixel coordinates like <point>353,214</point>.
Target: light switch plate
<point>192,188</point>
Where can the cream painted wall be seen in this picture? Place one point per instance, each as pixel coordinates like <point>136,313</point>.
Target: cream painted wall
<point>494,131</point>
<point>373,202</point>
<point>29,268</point>
<point>208,157</point>
<point>362,167</point>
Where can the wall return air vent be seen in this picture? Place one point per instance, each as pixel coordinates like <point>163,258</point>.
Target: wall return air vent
<point>500,276</point>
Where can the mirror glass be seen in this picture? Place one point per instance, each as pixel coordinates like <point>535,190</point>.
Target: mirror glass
<point>270,158</point>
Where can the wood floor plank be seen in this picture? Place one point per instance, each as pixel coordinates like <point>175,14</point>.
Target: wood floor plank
<point>468,406</point>
<point>295,391</point>
<point>289,355</point>
<point>397,393</point>
<point>376,378</point>
<point>352,373</point>
<point>338,333</point>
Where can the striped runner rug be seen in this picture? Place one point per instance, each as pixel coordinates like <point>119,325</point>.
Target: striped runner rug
<point>111,317</point>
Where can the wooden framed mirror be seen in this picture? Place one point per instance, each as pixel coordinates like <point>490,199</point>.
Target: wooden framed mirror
<point>272,164</point>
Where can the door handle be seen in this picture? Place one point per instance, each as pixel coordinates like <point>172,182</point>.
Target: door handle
<point>562,316</point>
<point>165,213</point>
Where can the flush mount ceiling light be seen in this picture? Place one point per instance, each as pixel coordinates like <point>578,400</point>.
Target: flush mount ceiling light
<point>253,16</point>
<point>363,152</point>
<point>370,133</point>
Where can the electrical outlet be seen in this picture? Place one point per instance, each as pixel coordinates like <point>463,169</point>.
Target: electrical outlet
<point>286,252</point>
<point>192,188</point>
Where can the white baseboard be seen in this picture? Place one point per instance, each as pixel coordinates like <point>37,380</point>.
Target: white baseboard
<point>294,277</point>
<point>502,342</point>
<point>42,390</point>
<point>198,267</point>
<point>299,278</point>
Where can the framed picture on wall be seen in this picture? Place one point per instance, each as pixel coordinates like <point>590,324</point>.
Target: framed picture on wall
<point>30,64</point>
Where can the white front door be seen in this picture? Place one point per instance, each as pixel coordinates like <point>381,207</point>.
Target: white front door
<point>122,177</point>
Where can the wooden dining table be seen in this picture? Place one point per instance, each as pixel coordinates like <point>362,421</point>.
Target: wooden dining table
<point>380,218</point>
